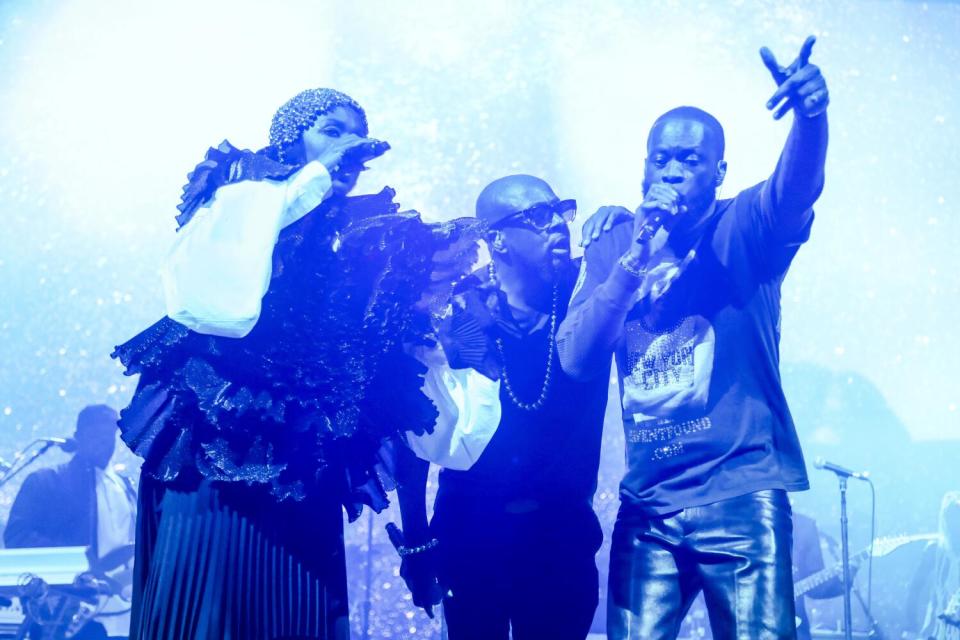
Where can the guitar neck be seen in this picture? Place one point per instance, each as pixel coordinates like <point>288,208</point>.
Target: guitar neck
<point>811,582</point>
<point>880,547</point>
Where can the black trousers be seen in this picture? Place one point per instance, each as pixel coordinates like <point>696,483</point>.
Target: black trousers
<point>533,572</point>
<point>736,551</point>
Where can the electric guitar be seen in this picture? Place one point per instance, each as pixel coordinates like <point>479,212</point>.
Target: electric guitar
<point>879,548</point>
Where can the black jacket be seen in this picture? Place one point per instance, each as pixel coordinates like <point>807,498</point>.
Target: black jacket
<point>56,507</point>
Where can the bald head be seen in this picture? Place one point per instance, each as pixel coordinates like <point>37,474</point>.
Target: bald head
<point>508,195</point>
<point>713,130</point>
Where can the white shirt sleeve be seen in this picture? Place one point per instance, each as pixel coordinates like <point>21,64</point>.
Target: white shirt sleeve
<point>219,267</point>
<point>469,410</point>
<point>116,528</point>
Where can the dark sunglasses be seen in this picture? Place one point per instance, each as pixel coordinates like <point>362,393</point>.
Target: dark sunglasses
<point>540,216</point>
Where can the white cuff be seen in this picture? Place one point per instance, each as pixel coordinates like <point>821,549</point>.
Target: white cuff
<point>306,189</point>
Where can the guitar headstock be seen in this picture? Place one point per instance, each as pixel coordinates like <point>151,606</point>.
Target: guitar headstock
<point>889,544</point>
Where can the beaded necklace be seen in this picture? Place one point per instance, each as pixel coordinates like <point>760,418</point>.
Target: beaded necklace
<point>548,375</point>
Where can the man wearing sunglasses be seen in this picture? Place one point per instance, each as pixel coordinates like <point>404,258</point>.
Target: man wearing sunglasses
<point>687,297</point>
<point>516,532</point>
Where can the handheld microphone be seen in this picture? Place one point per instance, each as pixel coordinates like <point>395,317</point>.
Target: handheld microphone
<point>395,536</point>
<point>820,463</point>
<point>650,228</point>
<point>655,223</point>
<point>354,158</point>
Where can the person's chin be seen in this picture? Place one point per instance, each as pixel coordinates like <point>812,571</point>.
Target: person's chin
<point>559,260</point>
<point>561,249</point>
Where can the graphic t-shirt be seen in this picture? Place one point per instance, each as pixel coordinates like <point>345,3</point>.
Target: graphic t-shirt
<point>704,413</point>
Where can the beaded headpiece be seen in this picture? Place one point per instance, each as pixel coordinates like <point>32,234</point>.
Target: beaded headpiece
<point>300,112</point>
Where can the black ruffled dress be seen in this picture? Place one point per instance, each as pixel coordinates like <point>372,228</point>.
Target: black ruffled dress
<point>252,445</point>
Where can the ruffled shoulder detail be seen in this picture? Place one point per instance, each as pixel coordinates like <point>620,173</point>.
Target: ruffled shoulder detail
<point>466,332</point>
<point>225,164</point>
<point>325,378</point>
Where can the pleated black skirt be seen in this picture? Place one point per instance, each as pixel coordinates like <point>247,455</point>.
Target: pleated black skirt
<point>226,561</point>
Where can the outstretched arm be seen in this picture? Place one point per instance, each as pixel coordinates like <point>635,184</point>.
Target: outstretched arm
<point>798,179</point>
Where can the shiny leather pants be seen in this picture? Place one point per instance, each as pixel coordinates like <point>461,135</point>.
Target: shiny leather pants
<point>736,551</point>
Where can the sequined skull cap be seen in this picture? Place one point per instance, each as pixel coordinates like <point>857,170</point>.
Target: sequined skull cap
<point>300,112</point>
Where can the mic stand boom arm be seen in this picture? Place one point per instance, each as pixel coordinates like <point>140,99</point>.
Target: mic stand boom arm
<point>19,463</point>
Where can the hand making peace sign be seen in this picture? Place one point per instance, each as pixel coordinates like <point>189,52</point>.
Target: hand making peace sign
<point>800,86</point>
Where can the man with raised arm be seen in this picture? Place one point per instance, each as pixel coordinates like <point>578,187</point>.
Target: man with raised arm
<point>687,297</point>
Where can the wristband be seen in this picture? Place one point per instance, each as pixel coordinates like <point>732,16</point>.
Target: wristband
<point>632,265</point>
<point>405,551</point>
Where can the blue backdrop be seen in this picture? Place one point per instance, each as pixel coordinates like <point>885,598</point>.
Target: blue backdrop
<point>107,104</point>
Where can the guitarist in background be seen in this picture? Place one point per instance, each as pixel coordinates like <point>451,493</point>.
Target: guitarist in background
<point>808,560</point>
<point>82,503</point>
<point>933,598</point>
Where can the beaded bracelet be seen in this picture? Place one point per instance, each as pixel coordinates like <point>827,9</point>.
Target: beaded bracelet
<point>632,266</point>
<point>409,551</point>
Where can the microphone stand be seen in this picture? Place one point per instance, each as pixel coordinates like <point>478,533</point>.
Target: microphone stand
<point>845,554</point>
<point>875,630</point>
<point>842,475</point>
<point>19,465</point>
<point>368,582</point>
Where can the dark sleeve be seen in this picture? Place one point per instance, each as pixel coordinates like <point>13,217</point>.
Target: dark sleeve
<point>745,243</point>
<point>604,294</point>
<point>774,218</point>
<point>796,182</point>
<point>26,524</point>
<point>808,558</point>
<point>412,475</point>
